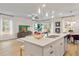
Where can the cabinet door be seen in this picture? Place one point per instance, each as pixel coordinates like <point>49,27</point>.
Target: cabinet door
<point>57,52</point>
<point>49,50</point>
<point>55,48</point>
<point>62,48</point>
<point>32,50</point>
<point>59,47</point>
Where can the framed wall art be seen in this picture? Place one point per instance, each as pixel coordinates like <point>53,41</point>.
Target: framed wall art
<point>57,24</point>
<point>57,30</point>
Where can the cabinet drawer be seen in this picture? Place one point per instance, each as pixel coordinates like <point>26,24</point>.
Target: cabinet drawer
<point>59,47</point>
<point>49,53</point>
<point>49,47</point>
<point>49,50</point>
<point>32,50</point>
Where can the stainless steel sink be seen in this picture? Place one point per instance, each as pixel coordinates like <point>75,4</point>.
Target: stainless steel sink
<point>53,36</point>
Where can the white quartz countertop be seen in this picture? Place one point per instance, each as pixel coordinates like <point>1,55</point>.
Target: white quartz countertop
<point>43,41</point>
<point>74,33</point>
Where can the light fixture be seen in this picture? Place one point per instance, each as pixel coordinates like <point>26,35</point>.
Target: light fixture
<point>39,11</point>
<point>33,18</point>
<point>74,22</point>
<point>52,16</point>
<point>42,13</point>
<point>11,27</point>
<point>46,14</point>
<point>29,15</point>
<point>68,22</point>
<point>53,12</point>
<point>44,5</point>
<point>60,14</point>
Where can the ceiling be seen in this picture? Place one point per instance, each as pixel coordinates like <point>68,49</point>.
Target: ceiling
<point>24,9</point>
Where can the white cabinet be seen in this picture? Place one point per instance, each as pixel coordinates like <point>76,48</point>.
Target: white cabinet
<point>56,48</point>
<point>49,50</point>
<point>32,50</point>
<point>61,47</point>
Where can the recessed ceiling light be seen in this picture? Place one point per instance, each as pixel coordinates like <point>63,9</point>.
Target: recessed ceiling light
<point>43,5</point>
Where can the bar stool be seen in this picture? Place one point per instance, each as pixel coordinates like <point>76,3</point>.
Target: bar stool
<point>21,50</point>
<point>76,37</point>
<point>68,38</point>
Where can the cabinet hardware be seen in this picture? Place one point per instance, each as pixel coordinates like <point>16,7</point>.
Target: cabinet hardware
<point>51,46</point>
<point>51,52</point>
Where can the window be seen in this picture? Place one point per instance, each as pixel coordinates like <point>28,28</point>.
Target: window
<point>6,23</point>
<point>38,27</point>
<point>41,27</point>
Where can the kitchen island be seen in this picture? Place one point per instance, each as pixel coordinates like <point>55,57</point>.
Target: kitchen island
<point>53,45</point>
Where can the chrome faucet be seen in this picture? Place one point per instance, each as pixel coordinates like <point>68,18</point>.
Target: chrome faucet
<point>46,33</point>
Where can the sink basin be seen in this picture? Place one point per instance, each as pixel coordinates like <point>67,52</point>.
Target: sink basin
<point>53,36</point>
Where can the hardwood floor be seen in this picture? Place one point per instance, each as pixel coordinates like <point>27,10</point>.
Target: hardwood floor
<point>12,48</point>
<point>73,50</point>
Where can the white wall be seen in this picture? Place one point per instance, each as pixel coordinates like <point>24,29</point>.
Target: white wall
<point>0,28</point>
<point>20,21</point>
<point>56,19</point>
<point>16,22</point>
<point>63,21</point>
<point>23,21</point>
<point>75,26</point>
